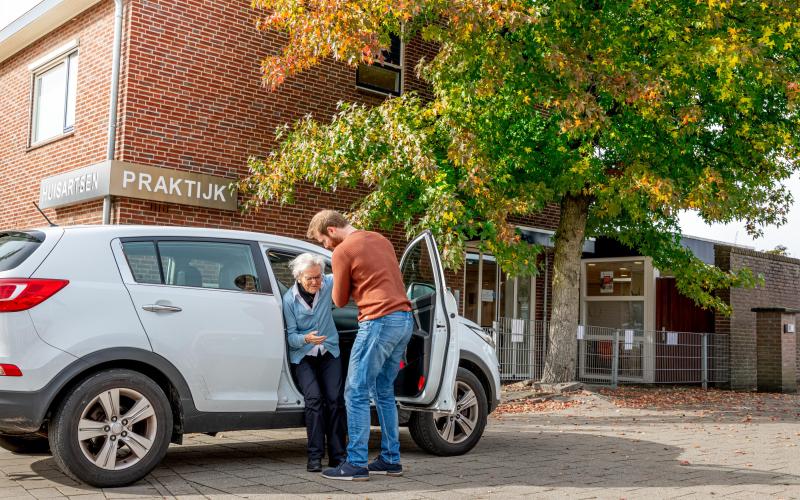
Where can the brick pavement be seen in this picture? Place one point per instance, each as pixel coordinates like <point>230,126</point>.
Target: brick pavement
<point>593,450</point>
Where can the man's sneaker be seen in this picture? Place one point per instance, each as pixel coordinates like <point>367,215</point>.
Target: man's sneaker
<point>380,466</point>
<point>347,472</point>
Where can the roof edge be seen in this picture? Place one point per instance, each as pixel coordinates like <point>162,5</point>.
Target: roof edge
<point>42,19</point>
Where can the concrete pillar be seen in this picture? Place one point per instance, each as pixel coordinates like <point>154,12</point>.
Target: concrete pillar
<point>776,349</point>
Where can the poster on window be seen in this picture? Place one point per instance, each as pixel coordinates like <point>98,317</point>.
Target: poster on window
<point>606,281</point>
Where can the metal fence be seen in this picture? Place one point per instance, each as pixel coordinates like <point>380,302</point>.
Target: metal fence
<point>614,356</point>
<point>521,346</point>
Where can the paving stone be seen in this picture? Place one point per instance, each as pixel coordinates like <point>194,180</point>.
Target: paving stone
<point>46,493</point>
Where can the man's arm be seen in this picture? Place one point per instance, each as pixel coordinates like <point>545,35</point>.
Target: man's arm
<point>341,279</point>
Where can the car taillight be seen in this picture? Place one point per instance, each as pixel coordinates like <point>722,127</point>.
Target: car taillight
<point>10,371</point>
<point>22,294</point>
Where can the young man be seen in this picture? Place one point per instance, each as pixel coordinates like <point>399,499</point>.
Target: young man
<point>366,268</point>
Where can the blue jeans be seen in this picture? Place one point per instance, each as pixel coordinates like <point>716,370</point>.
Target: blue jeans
<point>374,363</point>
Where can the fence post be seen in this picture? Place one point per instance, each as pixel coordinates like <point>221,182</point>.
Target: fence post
<point>615,359</point>
<point>704,349</point>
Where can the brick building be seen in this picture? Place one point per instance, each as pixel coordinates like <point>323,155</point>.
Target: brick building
<point>190,110</point>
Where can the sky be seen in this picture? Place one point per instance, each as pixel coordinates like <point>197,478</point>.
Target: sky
<point>691,225</point>
<point>12,9</point>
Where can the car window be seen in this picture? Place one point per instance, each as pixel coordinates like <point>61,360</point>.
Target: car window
<point>143,261</point>
<point>15,247</point>
<point>202,264</point>
<point>279,262</point>
<point>417,270</point>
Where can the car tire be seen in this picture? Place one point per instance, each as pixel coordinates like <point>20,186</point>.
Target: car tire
<point>25,444</point>
<point>448,435</point>
<point>112,429</point>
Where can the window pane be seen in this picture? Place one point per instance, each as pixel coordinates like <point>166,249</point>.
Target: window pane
<point>417,270</point>
<point>378,78</point>
<point>471,286</point>
<point>392,55</point>
<point>16,247</point>
<point>142,260</point>
<point>279,262</point>
<point>72,84</point>
<point>49,95</point>
<point>227,266</point>
<point>627,314</point>
<point>488,298</point>
<point>624,278</point>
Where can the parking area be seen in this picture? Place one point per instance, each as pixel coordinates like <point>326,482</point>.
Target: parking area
<point>590,446</point>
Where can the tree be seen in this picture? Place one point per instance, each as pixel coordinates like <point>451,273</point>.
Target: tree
<point>621,112</point>
<point>779,250</point>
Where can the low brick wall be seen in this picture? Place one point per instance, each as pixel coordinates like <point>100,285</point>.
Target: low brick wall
<point>781,288</point>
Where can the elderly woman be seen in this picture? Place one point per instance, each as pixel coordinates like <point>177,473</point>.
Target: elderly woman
<point>314,354</point>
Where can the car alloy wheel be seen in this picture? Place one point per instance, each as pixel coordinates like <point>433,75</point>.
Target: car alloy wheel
<point>458,426</point>
<point>117,428</point>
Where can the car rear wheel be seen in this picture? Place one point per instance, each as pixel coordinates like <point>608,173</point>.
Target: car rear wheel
<point>112,429</point>
<point>27,443</point>
<point>447,434</point>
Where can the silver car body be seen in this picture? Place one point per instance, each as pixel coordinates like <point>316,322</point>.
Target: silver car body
<point>227,346</point>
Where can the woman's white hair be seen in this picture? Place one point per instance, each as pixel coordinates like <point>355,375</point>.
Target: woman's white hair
<point>304,261</point>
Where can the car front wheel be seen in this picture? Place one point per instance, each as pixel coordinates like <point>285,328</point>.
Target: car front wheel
<point>447,434</point>
<point>112,429</point>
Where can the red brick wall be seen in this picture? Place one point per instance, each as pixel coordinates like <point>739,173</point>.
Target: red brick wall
<point>193,101</point>
<point>190,99</point>
<point>21,168</point>
<point>781,289</point>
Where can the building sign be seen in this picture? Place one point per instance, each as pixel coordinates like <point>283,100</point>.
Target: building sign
<point>134,180</point>
<point>84,184</point>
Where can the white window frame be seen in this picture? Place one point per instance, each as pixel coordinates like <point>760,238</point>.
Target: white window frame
<point>38,68</point>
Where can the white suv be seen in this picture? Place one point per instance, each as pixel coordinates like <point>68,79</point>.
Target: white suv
<point>117,340</point>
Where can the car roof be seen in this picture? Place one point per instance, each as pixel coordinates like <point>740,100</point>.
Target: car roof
<point>133,231</point>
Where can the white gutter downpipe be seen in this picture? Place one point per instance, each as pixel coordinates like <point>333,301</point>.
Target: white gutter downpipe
<point>112,113</point>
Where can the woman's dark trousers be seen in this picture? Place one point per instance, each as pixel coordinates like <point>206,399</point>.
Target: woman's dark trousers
<point>320,379</point>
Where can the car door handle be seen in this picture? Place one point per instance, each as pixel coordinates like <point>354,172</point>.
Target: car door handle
<point>161,308</point>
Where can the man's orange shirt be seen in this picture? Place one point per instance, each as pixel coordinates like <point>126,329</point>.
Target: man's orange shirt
<point>365,266</point>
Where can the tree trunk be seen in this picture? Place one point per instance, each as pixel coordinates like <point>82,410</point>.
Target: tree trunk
<point>562,348</point>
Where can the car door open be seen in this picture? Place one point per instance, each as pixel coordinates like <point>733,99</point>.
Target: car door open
<point>427,374</point>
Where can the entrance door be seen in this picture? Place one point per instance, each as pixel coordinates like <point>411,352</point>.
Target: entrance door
<point>428,374</point>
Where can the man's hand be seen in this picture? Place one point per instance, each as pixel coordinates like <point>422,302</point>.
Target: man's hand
<point>313,338</point>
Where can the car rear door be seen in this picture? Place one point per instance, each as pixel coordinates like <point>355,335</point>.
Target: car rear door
<point>207,307</point>
<point>434,343</point>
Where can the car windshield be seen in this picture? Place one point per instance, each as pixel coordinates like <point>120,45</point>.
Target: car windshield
<point>15,247</point>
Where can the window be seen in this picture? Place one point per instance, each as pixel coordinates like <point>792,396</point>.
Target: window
<point>54,90</point>
<point>385,76</point>
<point>279,262</point>
<point>16,247</point>
<point>418,273</point>
<point>143,261</point>
<point>200,264</point>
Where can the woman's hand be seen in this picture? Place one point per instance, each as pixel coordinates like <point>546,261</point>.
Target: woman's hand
<point>313,338</point>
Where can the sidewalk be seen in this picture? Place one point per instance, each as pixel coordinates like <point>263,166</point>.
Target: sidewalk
<point>686,444</point>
